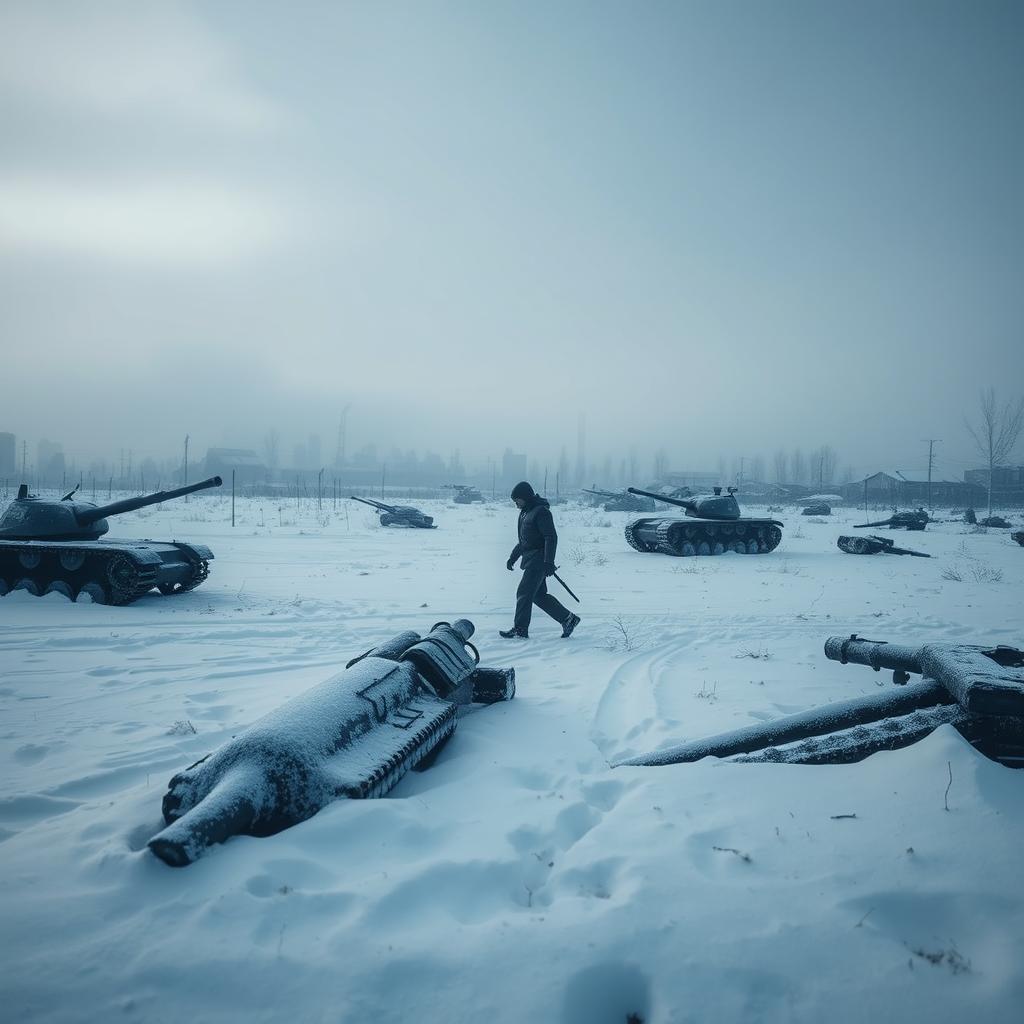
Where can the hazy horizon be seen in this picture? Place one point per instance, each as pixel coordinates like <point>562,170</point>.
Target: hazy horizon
<point>717,229</point>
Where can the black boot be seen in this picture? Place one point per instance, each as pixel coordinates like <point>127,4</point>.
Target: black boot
<point>569,625</point>
<point>514,634</point>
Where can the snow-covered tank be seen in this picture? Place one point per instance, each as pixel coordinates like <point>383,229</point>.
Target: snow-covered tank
<point>712,526</point>
<point>49,546</point>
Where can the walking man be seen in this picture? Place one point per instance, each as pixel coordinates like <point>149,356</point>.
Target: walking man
<point>536,548</point>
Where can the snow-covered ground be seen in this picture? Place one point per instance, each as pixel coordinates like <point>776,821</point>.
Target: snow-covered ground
<point>520,879</point>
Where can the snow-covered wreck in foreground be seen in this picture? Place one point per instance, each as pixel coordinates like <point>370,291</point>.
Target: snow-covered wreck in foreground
<point>355,735</point>
<point>977,690</point>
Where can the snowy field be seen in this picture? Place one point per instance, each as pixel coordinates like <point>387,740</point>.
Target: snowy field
<point>520,879</point>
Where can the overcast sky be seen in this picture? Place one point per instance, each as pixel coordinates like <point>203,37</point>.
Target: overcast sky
<point>719,227</point>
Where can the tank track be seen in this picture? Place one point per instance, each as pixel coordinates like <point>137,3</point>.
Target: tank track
<point>200,570</point>
<point>683,538</point>
<point>634,542</point>
<point>111,575</point>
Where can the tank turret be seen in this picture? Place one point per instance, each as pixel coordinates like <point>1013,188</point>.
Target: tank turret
<point>703,506</point>
<point>32,518</point>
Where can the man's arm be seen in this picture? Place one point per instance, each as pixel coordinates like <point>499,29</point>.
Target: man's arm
<point>546,525</point>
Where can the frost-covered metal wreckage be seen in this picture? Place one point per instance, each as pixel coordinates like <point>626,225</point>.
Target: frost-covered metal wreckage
<point>977,690</point>
<point>915,520</point>
<point>873,545</point>
<point>354,735</point>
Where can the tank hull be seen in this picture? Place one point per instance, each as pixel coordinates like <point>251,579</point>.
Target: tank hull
<point>419,520</point>
<point>683,537</point>
<point>107,571</point>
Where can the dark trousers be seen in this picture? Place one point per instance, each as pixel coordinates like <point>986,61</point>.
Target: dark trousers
<point>534,591</point>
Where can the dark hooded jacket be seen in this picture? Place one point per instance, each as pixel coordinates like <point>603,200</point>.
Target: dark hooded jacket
<point>536,530</point>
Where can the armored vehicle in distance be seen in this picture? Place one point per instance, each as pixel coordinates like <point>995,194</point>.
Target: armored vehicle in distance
<point>466,495</point>
<point>916,520</point>
<point>712,526</point>
<point>399,515</point>
<point>817,508</point>
<point>49,546</point>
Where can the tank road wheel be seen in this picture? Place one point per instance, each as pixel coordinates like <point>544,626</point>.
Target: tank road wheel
<point>752,546</point>
<point>72,561</point>
<point>739,547</point>
<point>30,585</point>
<point>703,548</point>
<point>60,587</point>
<point>94,591</point>
<point>718,549</point>
<point>687,549</point>
<point>29,559</point>
<point>124,580</point>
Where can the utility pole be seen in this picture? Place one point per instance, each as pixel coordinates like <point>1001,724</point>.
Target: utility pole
<point>185,469</point>
<point>24,453</point>
<point>932,441</point>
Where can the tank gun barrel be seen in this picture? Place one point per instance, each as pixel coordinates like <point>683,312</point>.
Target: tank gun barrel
<point>115,508</point>
<point>379,505</point>
<point>681,502</point>
<point>876,653</point>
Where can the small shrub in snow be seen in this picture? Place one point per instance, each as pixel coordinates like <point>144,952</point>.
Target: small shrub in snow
<point>182,727</point>
<point>759,653</point>
<point>577,555</point>
<point>986,574</point>
<point>951,572</point>
<point>705,694</point>
<point>620,637</point>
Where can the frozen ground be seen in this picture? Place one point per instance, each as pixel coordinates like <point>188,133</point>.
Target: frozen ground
<point>521,879</point>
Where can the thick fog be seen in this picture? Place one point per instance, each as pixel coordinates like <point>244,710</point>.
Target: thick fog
<point>716,229</point>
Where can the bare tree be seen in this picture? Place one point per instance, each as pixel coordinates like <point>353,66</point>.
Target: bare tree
<point>781,464</point>
<point>757,468</point>
<point>995,432</point>
<point>660,464</point>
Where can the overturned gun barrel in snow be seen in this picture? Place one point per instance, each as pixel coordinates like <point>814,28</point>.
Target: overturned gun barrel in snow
<point>978,690</point>
<point>355,735</point>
